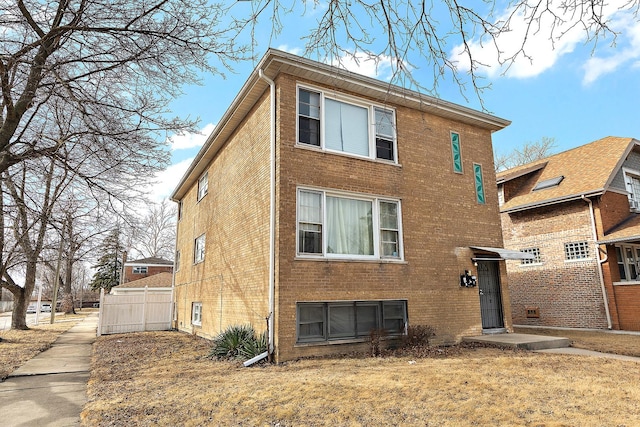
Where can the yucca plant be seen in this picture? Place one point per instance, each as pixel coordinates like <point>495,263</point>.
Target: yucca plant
<point>230,342</point>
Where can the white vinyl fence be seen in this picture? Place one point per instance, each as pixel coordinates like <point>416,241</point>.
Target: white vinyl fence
<point>146,310</point>
<point>6,306</point>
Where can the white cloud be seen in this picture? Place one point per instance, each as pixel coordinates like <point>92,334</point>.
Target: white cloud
<point>167,180</point>
<point>628,51</point>
<point>293,50</point>
<point>190,140</point>
<point>372,66</point>
<point>545,44</point>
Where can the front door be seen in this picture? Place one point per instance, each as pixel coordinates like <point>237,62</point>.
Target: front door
<point>490,296</point>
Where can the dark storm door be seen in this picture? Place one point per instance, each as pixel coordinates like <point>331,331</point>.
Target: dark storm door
<point>490,296</point>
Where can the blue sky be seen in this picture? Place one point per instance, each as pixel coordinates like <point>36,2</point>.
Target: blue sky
<point>571,91</point>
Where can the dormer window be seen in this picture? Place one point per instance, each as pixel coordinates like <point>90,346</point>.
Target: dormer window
<point>632,182</point>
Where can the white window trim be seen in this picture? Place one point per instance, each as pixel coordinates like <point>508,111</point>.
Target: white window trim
<point>204,178</point>
<point>197,260</point>
<point>634,205</point>
<point>196,320</point>
<point>370,106</point>
<point>377,256</point>
<point>137,270</point>
<point>626,265</point>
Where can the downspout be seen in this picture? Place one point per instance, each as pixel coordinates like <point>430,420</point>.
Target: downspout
<point>600,261</point>
<point>272,214</point>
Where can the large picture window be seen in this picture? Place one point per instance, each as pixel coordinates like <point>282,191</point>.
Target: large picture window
<point>346,126</point>
<point>346,226</point>
<point>326,321</point>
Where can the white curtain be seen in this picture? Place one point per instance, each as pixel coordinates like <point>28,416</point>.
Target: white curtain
<point>349,228</point>
<point>346,127</point>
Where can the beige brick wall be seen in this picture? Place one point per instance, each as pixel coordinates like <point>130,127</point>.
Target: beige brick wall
<point>232,281</point>
<point>441,218</point>
<point>567,293</point>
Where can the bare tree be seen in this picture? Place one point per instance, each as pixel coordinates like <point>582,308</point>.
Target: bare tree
<point>33,189</point>
<point>527,153</point>
<point>112,64</point>
<point>156,234</point>
<point>419,36</point>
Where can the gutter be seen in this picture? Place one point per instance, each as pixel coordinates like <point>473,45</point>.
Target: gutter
<point>272,214</point>
<point>600,262</point>
<point>553,201</point>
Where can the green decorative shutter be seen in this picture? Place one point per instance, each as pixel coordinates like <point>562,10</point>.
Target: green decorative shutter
<point>455,151</point>
<point>477,173</point>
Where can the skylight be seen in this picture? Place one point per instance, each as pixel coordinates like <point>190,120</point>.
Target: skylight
<point>548,183</point>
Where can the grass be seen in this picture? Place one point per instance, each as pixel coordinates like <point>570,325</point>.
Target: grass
<point>606,342</point>
<point>163,378</point>
<point>17,347</point>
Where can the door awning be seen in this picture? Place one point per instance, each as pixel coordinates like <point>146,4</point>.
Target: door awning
<point>502,253</point>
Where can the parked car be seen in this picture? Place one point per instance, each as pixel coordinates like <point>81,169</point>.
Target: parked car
<point>32,308</point>
<point>46,307</point>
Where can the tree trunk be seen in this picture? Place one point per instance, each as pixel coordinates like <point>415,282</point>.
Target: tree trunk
<point>22,298</point>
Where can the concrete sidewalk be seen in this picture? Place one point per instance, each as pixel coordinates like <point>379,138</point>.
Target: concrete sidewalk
<point>51,388</point>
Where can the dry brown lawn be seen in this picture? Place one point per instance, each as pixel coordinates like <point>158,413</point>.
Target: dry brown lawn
<point>17,347</point>
<point>606,342</point>
<point>163,379</point>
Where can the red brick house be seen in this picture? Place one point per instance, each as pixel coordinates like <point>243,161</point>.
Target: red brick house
<point>326,204</point>
<point>578,214</point>
<point>145,267</point>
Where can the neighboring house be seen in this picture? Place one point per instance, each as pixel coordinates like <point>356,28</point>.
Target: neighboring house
<point>329,204</point>
<point>141,268</point>
<point>578,214</point>
<point>157,283</point>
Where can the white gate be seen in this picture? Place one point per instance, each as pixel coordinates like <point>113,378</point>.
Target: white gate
<point>135,312</point>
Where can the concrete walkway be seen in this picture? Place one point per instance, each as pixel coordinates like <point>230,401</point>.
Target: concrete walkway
<point>51,388</point>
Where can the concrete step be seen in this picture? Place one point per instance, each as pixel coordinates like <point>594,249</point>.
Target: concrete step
<point>521,341</point>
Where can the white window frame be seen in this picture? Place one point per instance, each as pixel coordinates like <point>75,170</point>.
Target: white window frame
<point>196,313</point>
<point>203,185</point>
<point>377,230</point>
<point>635,250</point>
<point>199,248</point>
<point>570,251</point>
<point>634,198</point>
<point>140,269</point>
<point>371,116</point>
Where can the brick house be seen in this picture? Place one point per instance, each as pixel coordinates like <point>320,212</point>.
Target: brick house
<point>145,267</point>
<point>577,214</point>
<point>326,204</point>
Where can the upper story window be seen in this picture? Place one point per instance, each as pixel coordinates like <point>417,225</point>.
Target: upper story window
<point>203,186</point>
<point>628,262</point>
<point>536,256</point>
<point>179,210</point>
<point>335,225</point>
<point>140,270</point>
<point>632,182</point>
<point>177,261</point>
<point>199,247</point>
<point>576,250</point>
<point>346,125</point>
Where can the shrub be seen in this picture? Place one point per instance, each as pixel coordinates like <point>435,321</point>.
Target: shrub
<point>375,341</point>
<point>238,342</point>
<point>418,336</point>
